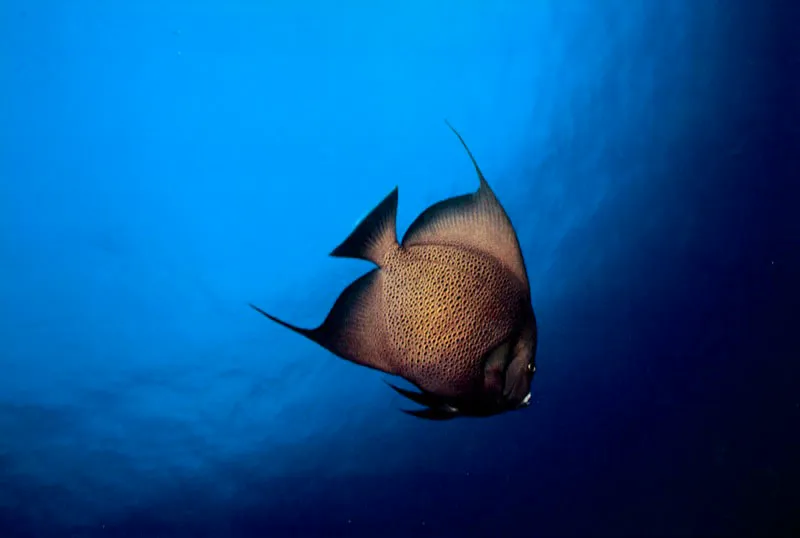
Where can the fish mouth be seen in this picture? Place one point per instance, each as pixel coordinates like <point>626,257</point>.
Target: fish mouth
<point>526,401</point>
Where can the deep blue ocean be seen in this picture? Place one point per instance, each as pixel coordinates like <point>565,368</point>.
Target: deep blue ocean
<point>163,164</point>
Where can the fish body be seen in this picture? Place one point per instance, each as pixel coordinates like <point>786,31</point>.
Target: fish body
<point>448,308</point>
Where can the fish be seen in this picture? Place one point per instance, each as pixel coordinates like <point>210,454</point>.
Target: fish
<point>448,308</point>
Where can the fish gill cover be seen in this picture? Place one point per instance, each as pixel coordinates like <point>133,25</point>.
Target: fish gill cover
<point>163,164</point>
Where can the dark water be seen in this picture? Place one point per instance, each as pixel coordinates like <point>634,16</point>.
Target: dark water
<point>164,164</point>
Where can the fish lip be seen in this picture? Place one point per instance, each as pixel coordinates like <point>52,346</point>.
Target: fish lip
<point>526,401</point>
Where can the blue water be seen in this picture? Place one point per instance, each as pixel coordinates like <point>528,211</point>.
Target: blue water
<point>162,164</point>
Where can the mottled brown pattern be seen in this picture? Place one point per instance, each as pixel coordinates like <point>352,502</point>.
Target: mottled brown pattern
<point>444,309</point>
<point>448,307</point>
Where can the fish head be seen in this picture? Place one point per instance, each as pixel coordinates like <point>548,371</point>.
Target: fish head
<point>521,369</point>
<point>509,369</point>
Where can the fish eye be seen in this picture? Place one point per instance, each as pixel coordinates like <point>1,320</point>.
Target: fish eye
<point>531,367</point>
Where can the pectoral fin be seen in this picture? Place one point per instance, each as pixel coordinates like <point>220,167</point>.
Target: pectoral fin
<point>494,369</point>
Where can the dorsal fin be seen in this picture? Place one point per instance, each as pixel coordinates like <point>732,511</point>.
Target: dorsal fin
<point>475,221</point>
<point>375,235</point>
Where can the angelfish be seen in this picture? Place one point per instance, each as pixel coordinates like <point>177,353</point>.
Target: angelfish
<point>448,308</point>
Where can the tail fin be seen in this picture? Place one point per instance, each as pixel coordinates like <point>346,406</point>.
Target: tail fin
<point>374,236</point>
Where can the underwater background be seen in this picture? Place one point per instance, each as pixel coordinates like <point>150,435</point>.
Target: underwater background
<point>162,164</point>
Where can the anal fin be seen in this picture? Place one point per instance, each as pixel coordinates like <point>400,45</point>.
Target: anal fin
<point>353,328</point>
